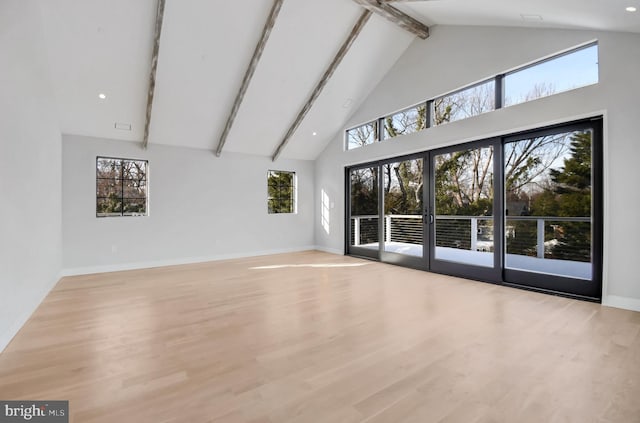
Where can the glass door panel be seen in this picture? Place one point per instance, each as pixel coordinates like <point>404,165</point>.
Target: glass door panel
<point>403,207</point>
<point>463,206</point>
<point>363,221</point>
<point>548,199</point>
<point>523,210</point>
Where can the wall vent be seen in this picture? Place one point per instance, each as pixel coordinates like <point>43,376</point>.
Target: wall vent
<point>123,126</point>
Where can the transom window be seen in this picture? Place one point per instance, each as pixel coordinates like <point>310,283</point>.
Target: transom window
<point>407,121</point>
<point>464,104</point>
<point>362,135</point>
<point>121,187</point>
<point>281,188</point>
<point>574,69</point>
<point>565,71</point>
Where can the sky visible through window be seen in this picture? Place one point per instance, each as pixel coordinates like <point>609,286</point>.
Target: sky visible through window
<point>573,70</point>
<point>567,71</point>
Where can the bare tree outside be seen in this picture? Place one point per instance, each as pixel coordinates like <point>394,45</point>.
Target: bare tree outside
<point>362,135</point>
<point>407,121</point>
<point>121,187</point>
<point>464,104</point>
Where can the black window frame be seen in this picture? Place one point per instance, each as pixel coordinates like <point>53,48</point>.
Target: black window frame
<point>498,98</point>
<point>487,81</point>
<point>280,199</point>
<point>122,196</point>
<point>567,286</point>
<point>504,76</point>
<point>384,133</point>
<point>376,133</point>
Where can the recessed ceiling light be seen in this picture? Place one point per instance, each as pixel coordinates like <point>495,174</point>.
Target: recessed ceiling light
<point>314,134</point>
<point>102,96</point>
<point>630,9</point>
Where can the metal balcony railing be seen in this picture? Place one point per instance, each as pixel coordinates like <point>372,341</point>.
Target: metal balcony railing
<point>535,236</point>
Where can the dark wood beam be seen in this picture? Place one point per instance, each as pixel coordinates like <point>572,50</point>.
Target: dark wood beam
<point>154,66</point>
<point>384,9</point>
<point>257,53</point>
<point>355,31</point>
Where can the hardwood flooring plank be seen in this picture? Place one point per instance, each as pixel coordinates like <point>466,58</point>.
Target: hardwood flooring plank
<point>315,337</point>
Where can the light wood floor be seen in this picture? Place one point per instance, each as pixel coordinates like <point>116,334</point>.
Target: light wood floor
<point>314,337</point>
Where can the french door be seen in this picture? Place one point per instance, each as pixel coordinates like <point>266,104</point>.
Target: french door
<point>466,186</point>
<point>387,211</point>
<point>522,210</point>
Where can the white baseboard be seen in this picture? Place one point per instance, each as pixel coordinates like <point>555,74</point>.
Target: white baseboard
<point>329,250</point>
<point>173,262</point>
<point>626,303</point>
<point>6,337</point>
<point>17,324</point>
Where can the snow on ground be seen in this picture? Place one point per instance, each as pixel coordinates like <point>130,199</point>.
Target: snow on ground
<point>573,269</point>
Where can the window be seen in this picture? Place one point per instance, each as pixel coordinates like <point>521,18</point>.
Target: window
<point>362,135</point>
<point>548,203</point>
<point>121,187</point>
<point>281,187</point>
<point>565,71</point>
<point>408,121</point>
<point>523,209</point>
<point>574,69</point>
<point>465,103</point>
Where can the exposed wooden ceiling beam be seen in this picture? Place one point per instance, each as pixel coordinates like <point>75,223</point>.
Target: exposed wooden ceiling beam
<point>355,31</point>
<point>257,53</point>
<point>154,66</point>
<point>384,9</point>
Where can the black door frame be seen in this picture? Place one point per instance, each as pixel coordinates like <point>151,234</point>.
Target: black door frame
<point>380,254</point>
<point>580,288</point>
<point>575,288</point>
<point>354,249</point>
<point>485,274</point>
<point>403,259</point>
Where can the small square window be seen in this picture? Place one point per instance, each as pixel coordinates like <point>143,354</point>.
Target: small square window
<point>281,191</point>
<point>121,187</point>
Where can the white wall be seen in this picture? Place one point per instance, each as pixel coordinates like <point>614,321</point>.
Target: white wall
<point>456,56</point>
<point>30,188</point>
<point>200,208</point>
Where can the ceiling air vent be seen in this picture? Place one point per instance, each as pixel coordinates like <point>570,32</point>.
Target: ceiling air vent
<point>531,18</point>
<point>123,126</point>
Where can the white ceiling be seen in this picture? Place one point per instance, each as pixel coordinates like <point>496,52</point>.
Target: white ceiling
<point>99,46</point>
<point>607,15</point>
<point>201,68</point>
<point>104,46</point>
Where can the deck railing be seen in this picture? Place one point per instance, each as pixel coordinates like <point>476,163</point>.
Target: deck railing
<point>526,235</point>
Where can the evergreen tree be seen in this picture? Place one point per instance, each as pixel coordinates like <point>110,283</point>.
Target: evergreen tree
<point>281,192</point>
<point>573,196</point>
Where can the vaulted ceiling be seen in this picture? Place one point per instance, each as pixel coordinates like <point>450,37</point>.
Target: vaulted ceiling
<point>104,46</point>
<point>606,15</point>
